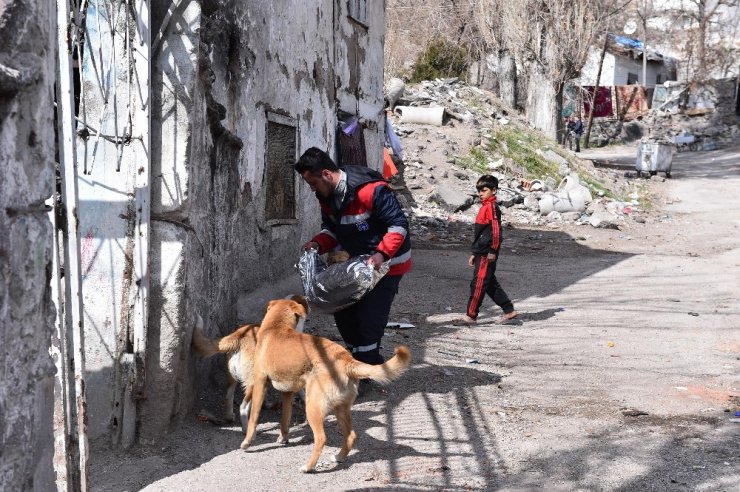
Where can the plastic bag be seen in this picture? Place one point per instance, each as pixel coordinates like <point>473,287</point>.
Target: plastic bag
<point>331,288</point>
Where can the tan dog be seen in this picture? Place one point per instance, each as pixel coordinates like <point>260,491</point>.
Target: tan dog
<point>328,372</point>
<point>239,347</point>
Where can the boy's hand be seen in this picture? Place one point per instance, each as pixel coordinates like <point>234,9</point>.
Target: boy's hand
<point>471,260</point>
<point>491,257</point>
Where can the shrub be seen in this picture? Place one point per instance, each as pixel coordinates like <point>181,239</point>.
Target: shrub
<point>441,59</point>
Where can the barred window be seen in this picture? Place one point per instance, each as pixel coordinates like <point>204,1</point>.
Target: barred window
<point>280,156</point>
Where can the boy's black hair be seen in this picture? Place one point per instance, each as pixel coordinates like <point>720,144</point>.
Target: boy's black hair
<point>487,181</point>
<point>314,160</point>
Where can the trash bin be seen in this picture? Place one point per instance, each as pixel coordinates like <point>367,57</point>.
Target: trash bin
<point>653,157</point>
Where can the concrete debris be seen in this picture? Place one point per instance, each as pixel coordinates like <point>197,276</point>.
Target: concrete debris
<point>705,111</point>
<point>437,178</point>
<point>604,220</point>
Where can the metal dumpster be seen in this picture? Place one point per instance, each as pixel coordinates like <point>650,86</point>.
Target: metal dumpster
<point>653,157</point>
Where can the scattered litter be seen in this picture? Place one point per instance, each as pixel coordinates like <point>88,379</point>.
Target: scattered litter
<point>682,388</point>
<point>447,372</point>
<point>397,325</point>
<point>673,300</point>
<point>448,308</point>
<point>472,361</point>
<point>609,344</point>
<point>631,412</point>
<point>691,313</point>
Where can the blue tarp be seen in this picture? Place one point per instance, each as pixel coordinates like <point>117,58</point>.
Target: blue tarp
<point>628,42</point>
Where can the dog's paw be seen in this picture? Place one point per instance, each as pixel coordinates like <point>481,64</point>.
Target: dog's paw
<point>282,440</point>
<point>244,445</point>
<point>338,458</point>
<point>305,469</point>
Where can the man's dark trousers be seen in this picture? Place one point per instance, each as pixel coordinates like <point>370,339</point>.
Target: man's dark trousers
<point>362,325</point>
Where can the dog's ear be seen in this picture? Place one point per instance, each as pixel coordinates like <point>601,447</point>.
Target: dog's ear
<point>269,305</point>
<point>302,301</point>
<point>300,308</point>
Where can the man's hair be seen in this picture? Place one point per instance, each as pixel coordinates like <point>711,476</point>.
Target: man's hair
<point>487,181</point>
<point>314,160</point>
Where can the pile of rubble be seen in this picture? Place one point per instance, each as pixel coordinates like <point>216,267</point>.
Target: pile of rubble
<point>696,116</point>
<point>436,184</point>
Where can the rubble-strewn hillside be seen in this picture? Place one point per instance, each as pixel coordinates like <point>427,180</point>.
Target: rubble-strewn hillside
<point>541,183</point>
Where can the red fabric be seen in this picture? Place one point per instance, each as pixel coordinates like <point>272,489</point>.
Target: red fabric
<point>478,292</point>
<point>602,103</point>
<point>389,168</point>
<point>486,216</point>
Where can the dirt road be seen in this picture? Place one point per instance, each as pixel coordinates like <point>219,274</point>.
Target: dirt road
<point>620,376</point>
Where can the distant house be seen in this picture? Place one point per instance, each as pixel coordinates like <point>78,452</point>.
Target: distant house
<point>623,65</point>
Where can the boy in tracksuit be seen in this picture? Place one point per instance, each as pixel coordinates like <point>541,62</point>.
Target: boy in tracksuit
<point>485,249</point>
<point>360,214</point>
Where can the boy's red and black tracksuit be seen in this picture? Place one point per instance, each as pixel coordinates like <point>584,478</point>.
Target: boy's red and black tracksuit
<point>487,239</point>
<point>368,220</point>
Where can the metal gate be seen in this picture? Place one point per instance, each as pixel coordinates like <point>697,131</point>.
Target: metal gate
<point>103,118</point>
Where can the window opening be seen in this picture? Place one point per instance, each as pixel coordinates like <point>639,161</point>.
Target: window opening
<point>358,11</point>
<point>280,202</point>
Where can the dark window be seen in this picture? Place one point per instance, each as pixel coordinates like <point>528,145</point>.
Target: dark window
<point>280,203</point>
<point>631,78</point>
<point>358,11</point>
<point>658,79</point>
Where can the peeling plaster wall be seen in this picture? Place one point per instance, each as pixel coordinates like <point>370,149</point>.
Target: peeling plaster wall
<point>359,68</point>
<point>26,180</point>
<point>221,67</point>
<point>248,65</point>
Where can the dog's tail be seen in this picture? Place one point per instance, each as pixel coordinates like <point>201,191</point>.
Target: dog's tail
<point>211,346</point>
<point>383,373</point>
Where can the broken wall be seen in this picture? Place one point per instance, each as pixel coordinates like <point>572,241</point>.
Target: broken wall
<point>26,181</point>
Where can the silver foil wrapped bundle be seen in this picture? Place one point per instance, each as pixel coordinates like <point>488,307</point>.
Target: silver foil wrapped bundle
<point>331,288</point>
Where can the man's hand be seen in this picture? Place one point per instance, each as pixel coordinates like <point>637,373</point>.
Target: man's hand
<point>471,260</point>
<point>311,245</point>
<point>491,257</point>
<point>375,260</point>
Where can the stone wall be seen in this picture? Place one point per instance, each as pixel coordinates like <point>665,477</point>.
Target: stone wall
<point>26,182</point>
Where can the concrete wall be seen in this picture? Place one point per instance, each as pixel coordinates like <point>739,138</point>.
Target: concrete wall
<point>26,181</point>
<point>221,72</point>
<point>624,65</point>
<point>616,68</point>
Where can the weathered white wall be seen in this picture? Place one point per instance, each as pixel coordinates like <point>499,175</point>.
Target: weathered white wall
<point>625,65</point>
<point>359,71</point>
<point>219,69</point>
<point>591,68</point>
<point>616,68</point>
<point>26,181</point>
<point>107,210</point>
